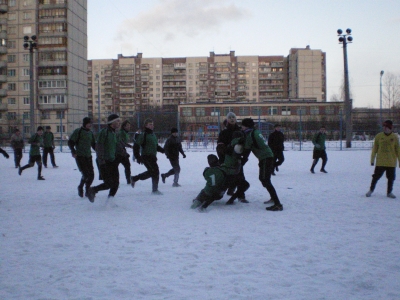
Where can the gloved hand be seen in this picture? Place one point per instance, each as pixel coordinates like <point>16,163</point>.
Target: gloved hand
<point>139,160</point>
<point>373,164</point>
<point>184,155</point>
<point>6,155</point>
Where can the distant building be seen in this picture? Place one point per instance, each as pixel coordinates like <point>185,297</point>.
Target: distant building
<point>133,84</point>
<point>60,64</point>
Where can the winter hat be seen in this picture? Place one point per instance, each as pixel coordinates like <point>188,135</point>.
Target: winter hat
<point>48,127</point>
<point>39,128</point>
<point>248,122</point>
<point>388,124</point>
<point>112,118</point>
<point>230,115</point>
<point>173,130</point>
<point>86,120</point>
<point>212,160</point>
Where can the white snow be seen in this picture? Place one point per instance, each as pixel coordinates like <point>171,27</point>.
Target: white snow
<point>329,242</point>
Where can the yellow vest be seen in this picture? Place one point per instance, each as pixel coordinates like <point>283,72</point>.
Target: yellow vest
<point>386,150</point>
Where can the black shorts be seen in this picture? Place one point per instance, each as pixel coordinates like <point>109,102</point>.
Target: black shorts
<point>319,154</point>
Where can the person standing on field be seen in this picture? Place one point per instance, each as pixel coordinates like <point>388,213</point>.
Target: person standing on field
<point>48,147</point>
<point>173,147</point>
<point>276,142</point>
<point>385,154</point>
<point>319,150</point>
<point>106,148</point>
<point>122,154</point>
<point>36,142</point>
<point>80,143</point>
<point>17,143</point>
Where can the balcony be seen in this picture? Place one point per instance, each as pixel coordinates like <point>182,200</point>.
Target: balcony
<point>3,78</point>
<point>3,35</point>
<point>3,92</point>
<point>3,50</point>
<point>3,106</point>
<point>3,8</point>
<point>3,64</point>
<point>47,106</point>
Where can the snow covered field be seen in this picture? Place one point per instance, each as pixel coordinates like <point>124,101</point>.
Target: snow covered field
<point>329,242</point>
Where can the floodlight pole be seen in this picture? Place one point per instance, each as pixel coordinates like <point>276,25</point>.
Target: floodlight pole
<point>30,44</point>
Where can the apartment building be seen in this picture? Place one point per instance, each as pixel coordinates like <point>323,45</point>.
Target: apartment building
<point>59,64</point>
<point>131,84</point>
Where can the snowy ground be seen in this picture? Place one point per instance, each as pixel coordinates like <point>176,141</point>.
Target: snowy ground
<point>329,242</point>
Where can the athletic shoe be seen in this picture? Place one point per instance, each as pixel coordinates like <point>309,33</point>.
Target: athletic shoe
<point>277,169</point>
<point>128,180</point>
<point>91,194</point>
<point>196,203</point>
<point>230,191</point>
<point>80,191</point>
<point>243,200</point>
<point>276,207</point>
<point>163,178</point>
<point>270,201</point>
<point>176,184</point>
<point>323,171</point>
<point>312,171</point>
<point>132,182</point>
<point>19,171</point>
<point>40,178</point>
<point>273,173</point>
<point>202,209</point>
<point>156,192</point>
<point>368,194</point>
<point>45,166</point>
<point>230,202</point>
<point>55,166</point>
<point>391,195</point>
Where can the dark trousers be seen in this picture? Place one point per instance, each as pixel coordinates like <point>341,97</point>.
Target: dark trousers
<point>279,158</point>
<point>109,173</point>
<point>17,156</point>
<point>150,162</point>
<point>176,169</point>
<point>390,175</point>
<point>239,182</point>
<point>266,168</point>
<point>48,150</point>
<point>85,166</point>
<point>317,154</point>
<point>206,200</point>
<point>124,160</point>
<point>32,160</point>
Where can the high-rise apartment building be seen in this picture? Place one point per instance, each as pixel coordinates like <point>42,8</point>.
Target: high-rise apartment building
<point>59,64</point>
<point>134,84</point>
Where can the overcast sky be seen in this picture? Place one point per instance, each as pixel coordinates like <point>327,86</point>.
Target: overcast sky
<point>186,28</point>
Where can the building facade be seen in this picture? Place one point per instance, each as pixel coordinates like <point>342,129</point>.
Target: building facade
<point>59,64</point>
<point>130,85</point>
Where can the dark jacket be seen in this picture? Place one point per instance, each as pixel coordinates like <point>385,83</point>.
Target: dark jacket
<point>36,142</point>
<point>224,139</point>
<point>48,139</point>
<point>106,146</point>
<point>148,141</point>
<point>275,141</point>
<point>81,141</point>
<point>173,147</point>
<point>123,139</point>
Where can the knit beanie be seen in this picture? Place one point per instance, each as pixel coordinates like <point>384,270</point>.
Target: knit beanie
<point>230,115</point>
<point>173,130</point>
<point>39,128</point>
<point>112,118</point>
<point>212,160</point>
<point>85,121</point>
<point>388,124</point>
<point>248,122</point>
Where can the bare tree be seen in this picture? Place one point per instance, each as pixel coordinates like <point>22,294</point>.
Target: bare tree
<point>391,94</point>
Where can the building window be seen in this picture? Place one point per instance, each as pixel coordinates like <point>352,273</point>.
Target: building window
<point>26,86</point>
<point>244,111</point>
<point>25,116</point>
<point>27,129</point>
<point>47,84</point>
<point>11,30</point>
<point>27,29</point>
<point>45,115</point>
<point>11,100</point>
<point>256,111</point>
<point>11,58</point>
<point>330,110</point>
<point>27,16</point>
<point>273,110</point>
<point>55,56</point>
<point>301,110</point>
<point>286,111</point>
<point>200,111</point>
<point>60,128</point>
<point>26,100</point>
<point>26,72</point>
<point>12,17</point>
<point>11,45</point>
<point>12,86</point>
<point>12,115</point>
<point>227,110</point>
<point>25,57</point>
<point>314,110</point>
<point>11,73</point>
<point>215,111</point>
<point>60,115</point>
<point>11,3</point>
